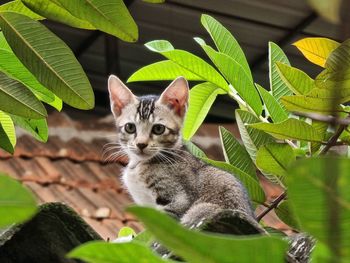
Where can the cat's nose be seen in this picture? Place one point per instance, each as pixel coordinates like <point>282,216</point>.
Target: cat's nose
<point>141,146</point>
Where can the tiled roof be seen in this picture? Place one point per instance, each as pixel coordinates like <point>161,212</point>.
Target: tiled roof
<point>71,168</point>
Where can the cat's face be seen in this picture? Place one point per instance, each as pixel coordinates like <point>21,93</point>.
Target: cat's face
<point>148,125</point>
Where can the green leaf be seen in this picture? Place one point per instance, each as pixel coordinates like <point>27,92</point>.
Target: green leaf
<point>255,192</point>
<point>37,128</point>
<point>318,189</point>
<point>15,98</point>
<point>54,11</point>
<point>235,75</point>
<point>126,231</point>
<point>103,252</point>
<point>11,65</point>
<point>310,104</point>
<point>275,158</point>
<point>296,80</point>
<point>162,70</point>
<point>190,62</point>
<point>225,42</point>
<point>7,133</point>
<point>199,247</point>
<point>17,204</point>
<point>18,7</point>
<point>273,107</point>
<point>277,85</point>
<point>290,129</point>
<point>202,97</point>
<point>316,49</point>
<point>108,16</point>
<point>194,149</point>
<point>154,1</point>
<point>252,139</point>
<point>286,214</point>
<point>48,58</point>
<point>321,127</point>
<point>235,154</point>
<point>338,59</point>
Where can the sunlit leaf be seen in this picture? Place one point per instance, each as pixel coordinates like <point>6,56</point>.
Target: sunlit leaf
<point>316,49</point>
<point>277,85</point>
<point>225,42</point>
<point>319,192</point>
<point>103,252</point>
<point>199,247</point>
<point>108,16</point>
<point>202,96</point>
<point>235,75</point>
<point>235,153</point>
<point>273,107</point>
<point>296,80</point>
<point>18,7</point>
<point>190,62</point>
<point>321,127</point>
<point>38,128</point>
<point>15,98</point>
<point>194,149</point>
<point>275,158</point>
<point>255,192</point>
<point>290,129</point>
<point>162,70</point>
<point>7,133</point>
<point>48,58</point>
<point>252,139</point>
<point>17,204</point>
<point>54,11</point>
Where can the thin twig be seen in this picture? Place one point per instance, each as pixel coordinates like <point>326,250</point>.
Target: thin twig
<point>333,140</point>
<point>273,205</point>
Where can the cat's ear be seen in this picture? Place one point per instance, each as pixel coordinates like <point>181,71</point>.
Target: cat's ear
<point>176,96</point>
<point>119,95</point>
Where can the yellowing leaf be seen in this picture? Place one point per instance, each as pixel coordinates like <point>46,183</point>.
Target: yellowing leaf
<point>316,49</point>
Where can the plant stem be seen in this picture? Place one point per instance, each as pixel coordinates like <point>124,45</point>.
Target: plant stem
<point>273,205</point>
<point>333,140</point>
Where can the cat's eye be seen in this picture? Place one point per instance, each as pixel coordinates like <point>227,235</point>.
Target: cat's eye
<point>158,129</point>
<point>130,127</point>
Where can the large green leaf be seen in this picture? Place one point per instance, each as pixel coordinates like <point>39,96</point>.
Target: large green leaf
<point>10,64</point>
<point>273,107</point>
<point>54,11</point>
<point>194,246</point>
<point>15,98</point>
<point>190,62</point>
<point>252,139</point>
<point>277,85</point>
<point>108,16</point>
<point>290,129</point>
<point>296,80</point>
<point>225,42</point>
<point>18,7</point>
<point>7,133</point>
<point>17,204</point>
<point>103,252</point>
<point>318,189</point>
<point>48,58</point>
<point>316,49</point>
<point>321,127</point>
<point>275,158</point>
<point>310,104</point>
<point>38,128</point>
<point>255,192</point>
<point>235,153</point>
<point>339,58</point>
<point>162,70</point>
<point>202,96</point>
<point>235,75</point>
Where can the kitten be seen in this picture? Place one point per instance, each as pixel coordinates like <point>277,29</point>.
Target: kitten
<point>161,172</point>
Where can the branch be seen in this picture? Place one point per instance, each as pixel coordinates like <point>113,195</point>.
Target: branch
<point>333,140</point>
<point>273,205</point>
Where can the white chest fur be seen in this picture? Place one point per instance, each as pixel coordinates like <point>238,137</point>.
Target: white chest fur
<point>134,182</point>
